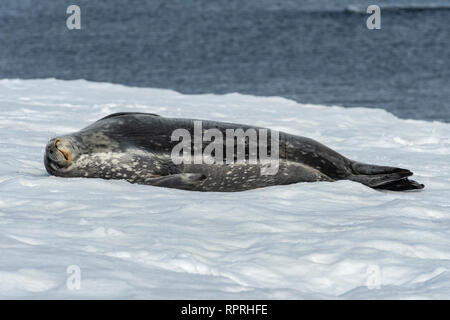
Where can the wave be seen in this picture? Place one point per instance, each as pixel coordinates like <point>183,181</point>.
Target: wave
<point>399,8</point>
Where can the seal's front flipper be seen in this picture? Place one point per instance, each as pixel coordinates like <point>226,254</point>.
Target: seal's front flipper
<point>185,181</point>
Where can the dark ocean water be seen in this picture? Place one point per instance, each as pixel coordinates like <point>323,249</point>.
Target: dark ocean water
<point>309,51</point>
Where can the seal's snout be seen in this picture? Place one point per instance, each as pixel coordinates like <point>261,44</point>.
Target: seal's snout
<point>59,154</point>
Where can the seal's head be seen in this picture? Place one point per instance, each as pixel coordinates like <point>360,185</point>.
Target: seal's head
<point>105,150</point>
<point>60,155</point>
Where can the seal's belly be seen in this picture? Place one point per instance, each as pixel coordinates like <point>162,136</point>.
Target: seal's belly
<point>245,176</point>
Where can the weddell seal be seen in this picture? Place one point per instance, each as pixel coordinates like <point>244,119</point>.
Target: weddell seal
<point>206,156</point>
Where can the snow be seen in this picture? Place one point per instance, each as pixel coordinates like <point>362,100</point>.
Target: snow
<point>336,240</point>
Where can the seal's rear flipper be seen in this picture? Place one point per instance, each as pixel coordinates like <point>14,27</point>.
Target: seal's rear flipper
<point>386,178</point>
<point>186,181</point>
<point>401,185</point>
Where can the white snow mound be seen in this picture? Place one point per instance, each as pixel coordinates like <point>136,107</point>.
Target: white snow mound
<point>310,240</point>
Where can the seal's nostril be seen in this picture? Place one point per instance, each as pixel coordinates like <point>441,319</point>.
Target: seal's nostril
<point>62,149</point>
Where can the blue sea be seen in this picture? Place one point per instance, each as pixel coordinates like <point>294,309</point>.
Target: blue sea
<point>311,51</point>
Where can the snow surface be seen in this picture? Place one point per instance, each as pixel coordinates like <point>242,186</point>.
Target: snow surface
<point>310,240</point>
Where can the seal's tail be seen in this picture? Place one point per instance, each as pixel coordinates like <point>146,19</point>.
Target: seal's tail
<point>380,177</point>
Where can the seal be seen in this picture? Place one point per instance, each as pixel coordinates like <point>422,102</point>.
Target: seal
<point>139,148</point>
